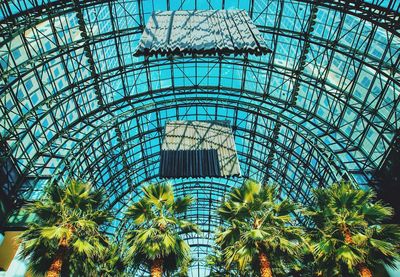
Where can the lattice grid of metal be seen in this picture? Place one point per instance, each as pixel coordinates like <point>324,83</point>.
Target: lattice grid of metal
<point>74,101</point>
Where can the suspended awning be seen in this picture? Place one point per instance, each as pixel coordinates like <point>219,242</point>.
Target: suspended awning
<point>211,32</point>
<point>198,149</point>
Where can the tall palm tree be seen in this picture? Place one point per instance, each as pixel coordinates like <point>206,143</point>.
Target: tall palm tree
<point>259,229</point>
<point>156,240</point>
<point>350,237</point>
<point>65,231</point>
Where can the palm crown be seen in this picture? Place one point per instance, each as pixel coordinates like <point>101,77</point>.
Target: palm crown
<point>155,240</point>
<point>66,229</point>
<point>259,229</point>
<point>350,236</point>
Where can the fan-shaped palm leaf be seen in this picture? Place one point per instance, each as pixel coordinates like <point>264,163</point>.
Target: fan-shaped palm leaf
<point>349,233</point>
<point>156,242</point>
<point>66,229</point>
<point>259,227</point>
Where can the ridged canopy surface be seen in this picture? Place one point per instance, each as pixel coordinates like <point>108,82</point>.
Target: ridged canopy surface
<point>75,102</point>
<point>201,32</point>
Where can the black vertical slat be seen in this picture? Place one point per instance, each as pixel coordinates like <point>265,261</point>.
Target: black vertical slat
<point>211,163</point>
<point>171,166</point>
<point>193,162</point>
<point>216,163</point>
<point>170,163</point>
<point>214,169</point>
<point>213,160</point>
<point>167,157</point>
<point>162,163</point>
<point>206,167</point>
<point>196,165</point>
<point>181,164</point>
<point>190,163</point>
<point>181,167</point>
<point>207,170</point>
<point>178,164</point>
<point>206,164</point>
<point>187,162</point>
<point>160,171</point>
<point>200,163</point>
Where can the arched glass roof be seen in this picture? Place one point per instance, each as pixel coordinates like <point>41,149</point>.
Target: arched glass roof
<point>323,106</point>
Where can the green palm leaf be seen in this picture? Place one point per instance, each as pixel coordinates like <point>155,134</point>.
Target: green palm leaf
<point>182,204</point>
<point>157,229</point>
<point>83,247</point>
<point>257,222</point>
<point>67,213</point>
<point>349,232</point>
<point>55,232</point>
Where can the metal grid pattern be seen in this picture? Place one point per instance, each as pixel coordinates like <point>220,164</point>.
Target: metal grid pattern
<point>74,100</point>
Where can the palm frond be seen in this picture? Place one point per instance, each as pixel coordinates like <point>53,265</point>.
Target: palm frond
<point>182,204</point>
<point>257,220</point>
<point>83,246</point>
<point>55,232</point>
<point>140,211</point>
<point>188,227</point>
<point>159,194</point>
<point>156,228</point>
<point>67,213</point>
<point>377,212</point>
<point>345,236</point>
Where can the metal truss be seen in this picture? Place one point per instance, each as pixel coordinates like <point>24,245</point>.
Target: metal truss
<point>74,102</point>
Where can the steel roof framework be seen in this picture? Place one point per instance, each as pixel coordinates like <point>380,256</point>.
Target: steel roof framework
<point>75,102</point>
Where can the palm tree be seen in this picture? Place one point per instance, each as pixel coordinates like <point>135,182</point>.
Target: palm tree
<point>259,229</point>
<point>65,231</point>
<point>108,262</point>
<point>156,240</point>
<point>350,237</point>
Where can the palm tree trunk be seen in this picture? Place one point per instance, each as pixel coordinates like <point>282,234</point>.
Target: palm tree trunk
<point>265,266</point>
<point>347,235</point>
<point>56,265</point>
<point>364,270</point>
<point>156,269</point>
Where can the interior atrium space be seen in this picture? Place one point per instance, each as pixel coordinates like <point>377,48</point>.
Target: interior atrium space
<point>200,138</point>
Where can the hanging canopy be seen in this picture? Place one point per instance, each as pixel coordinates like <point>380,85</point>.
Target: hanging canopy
<point>201,32</point>
<point>198,149</point>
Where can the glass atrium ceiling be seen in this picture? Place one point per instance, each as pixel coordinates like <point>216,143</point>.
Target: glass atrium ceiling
<point>74,101</point>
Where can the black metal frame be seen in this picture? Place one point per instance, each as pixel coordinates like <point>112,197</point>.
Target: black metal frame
<point>121,105</point>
